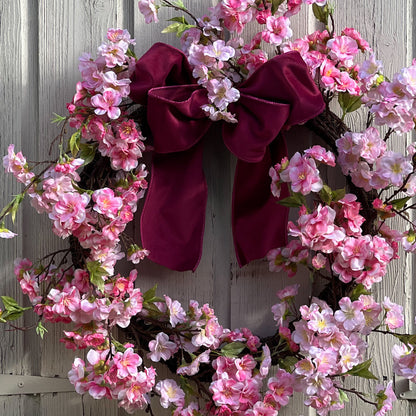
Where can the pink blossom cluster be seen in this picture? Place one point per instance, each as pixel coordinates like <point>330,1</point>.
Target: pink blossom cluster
<point>301,171</point>
<point>332,59</point>
<point>96,107</point>
<point>393,102</point>
<point>117,375</point>
<point>96,218</point>
<point>364,156</point>
<point>404,359</point>
<point>332,345</point>
<point>335,232</point>
<point>17,165</point>
<point>72,298</point>
<point>236,388</point>
<point>219,65</point>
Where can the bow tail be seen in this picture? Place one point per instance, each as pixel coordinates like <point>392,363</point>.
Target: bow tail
<point>173,217</point>
<point>259,222</point>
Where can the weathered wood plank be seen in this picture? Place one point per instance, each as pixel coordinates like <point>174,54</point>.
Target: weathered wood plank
<point>386,26</point>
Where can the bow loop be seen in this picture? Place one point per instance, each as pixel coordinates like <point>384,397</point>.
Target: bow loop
<point>161,65</point>
<point>259,123</point>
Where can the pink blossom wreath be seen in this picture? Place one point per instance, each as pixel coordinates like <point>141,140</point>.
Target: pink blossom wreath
<point>90,193</point>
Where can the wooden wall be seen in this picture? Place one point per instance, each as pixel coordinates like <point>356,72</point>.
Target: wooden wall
<point>40,45</point>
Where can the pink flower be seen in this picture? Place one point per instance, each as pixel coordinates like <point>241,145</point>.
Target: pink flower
<point>317,230</point>
<point>302,175</point>
<point>193,368</point>
<point>69,212</point>
<point>161,348</point>
<point>393,167</point>
<point>226,391</point>
<point>322,322</point>
<point>343,49</point>
<point>353,34</point>
<point>219,51</point>
<point>170,392</point>
<point>106,203</point>
<point>278,28</point>
<point>221,92</point>
<point>114,53</point>
<point>319,261</point>
<point>16,164</point>
<point>394,316</point>
<point>5,233</point>
<point>281,386</point>
<point>176,313</point>
<point>385,397</point>
<point>288,292</point>
<point>350,315</point>
<point>148,10</point>
<point>321,155</point>
<point>116,35</point>
<point>127,363</point>
<point>107,103</point>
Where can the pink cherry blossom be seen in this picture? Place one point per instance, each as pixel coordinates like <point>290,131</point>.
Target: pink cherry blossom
<point>107,103</point>
<point>161,348</point>
<point>278,29</point>
<point>127,363</point>
<point>148,10</point>
<point>170,392</point>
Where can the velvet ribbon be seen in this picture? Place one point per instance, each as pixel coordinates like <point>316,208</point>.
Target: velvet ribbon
<point>278,95</point>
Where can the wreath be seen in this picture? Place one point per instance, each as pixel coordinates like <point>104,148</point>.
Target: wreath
<point>125,106</point>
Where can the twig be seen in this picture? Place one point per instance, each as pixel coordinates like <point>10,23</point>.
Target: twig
<point>358,394</point>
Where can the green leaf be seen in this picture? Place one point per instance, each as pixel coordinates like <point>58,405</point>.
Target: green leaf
<point>150,294</point>
<point>131,54</point>
<point>326,194</point>
<point>87,152</point>
<point>74,143</point>
<point>232,349</point>
<point>187,388</point>
<point>343,396</point>
<point>321,13</point>
<point>362,370</point>
<point>173,28</point>
<point>180,19</point>
<point>348,102</point>
<point>400,203</point>
<point>57,119</point>
<point>12,309</point>
<point>296,200</point>
<point>179,3</point>
<point>41,330</point>
<point>405,338</point>
<point>288,363</point>
<point>358,291</point>
<point>275,5</point>
<point>11,316</point>
<point>97,272</point>
<point>16,203</point>
<point>177,28</point>
<point>338,194</point>
<point>9,303</point>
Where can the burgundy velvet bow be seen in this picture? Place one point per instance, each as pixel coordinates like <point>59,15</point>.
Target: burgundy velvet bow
<point>279,94</point>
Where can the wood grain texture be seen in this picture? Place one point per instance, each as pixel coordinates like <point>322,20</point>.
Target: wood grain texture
<point>387,27</point>
<point>39,73</point>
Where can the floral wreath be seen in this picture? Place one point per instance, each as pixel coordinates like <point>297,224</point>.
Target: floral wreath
<point>90,193</point>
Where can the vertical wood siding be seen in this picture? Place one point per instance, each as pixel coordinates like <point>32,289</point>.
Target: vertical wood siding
<point>40,45</point>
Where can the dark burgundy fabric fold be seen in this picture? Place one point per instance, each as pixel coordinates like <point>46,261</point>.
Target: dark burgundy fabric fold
<point>278,95</point>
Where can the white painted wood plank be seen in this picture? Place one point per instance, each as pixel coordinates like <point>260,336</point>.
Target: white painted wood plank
<point>386,27</point>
